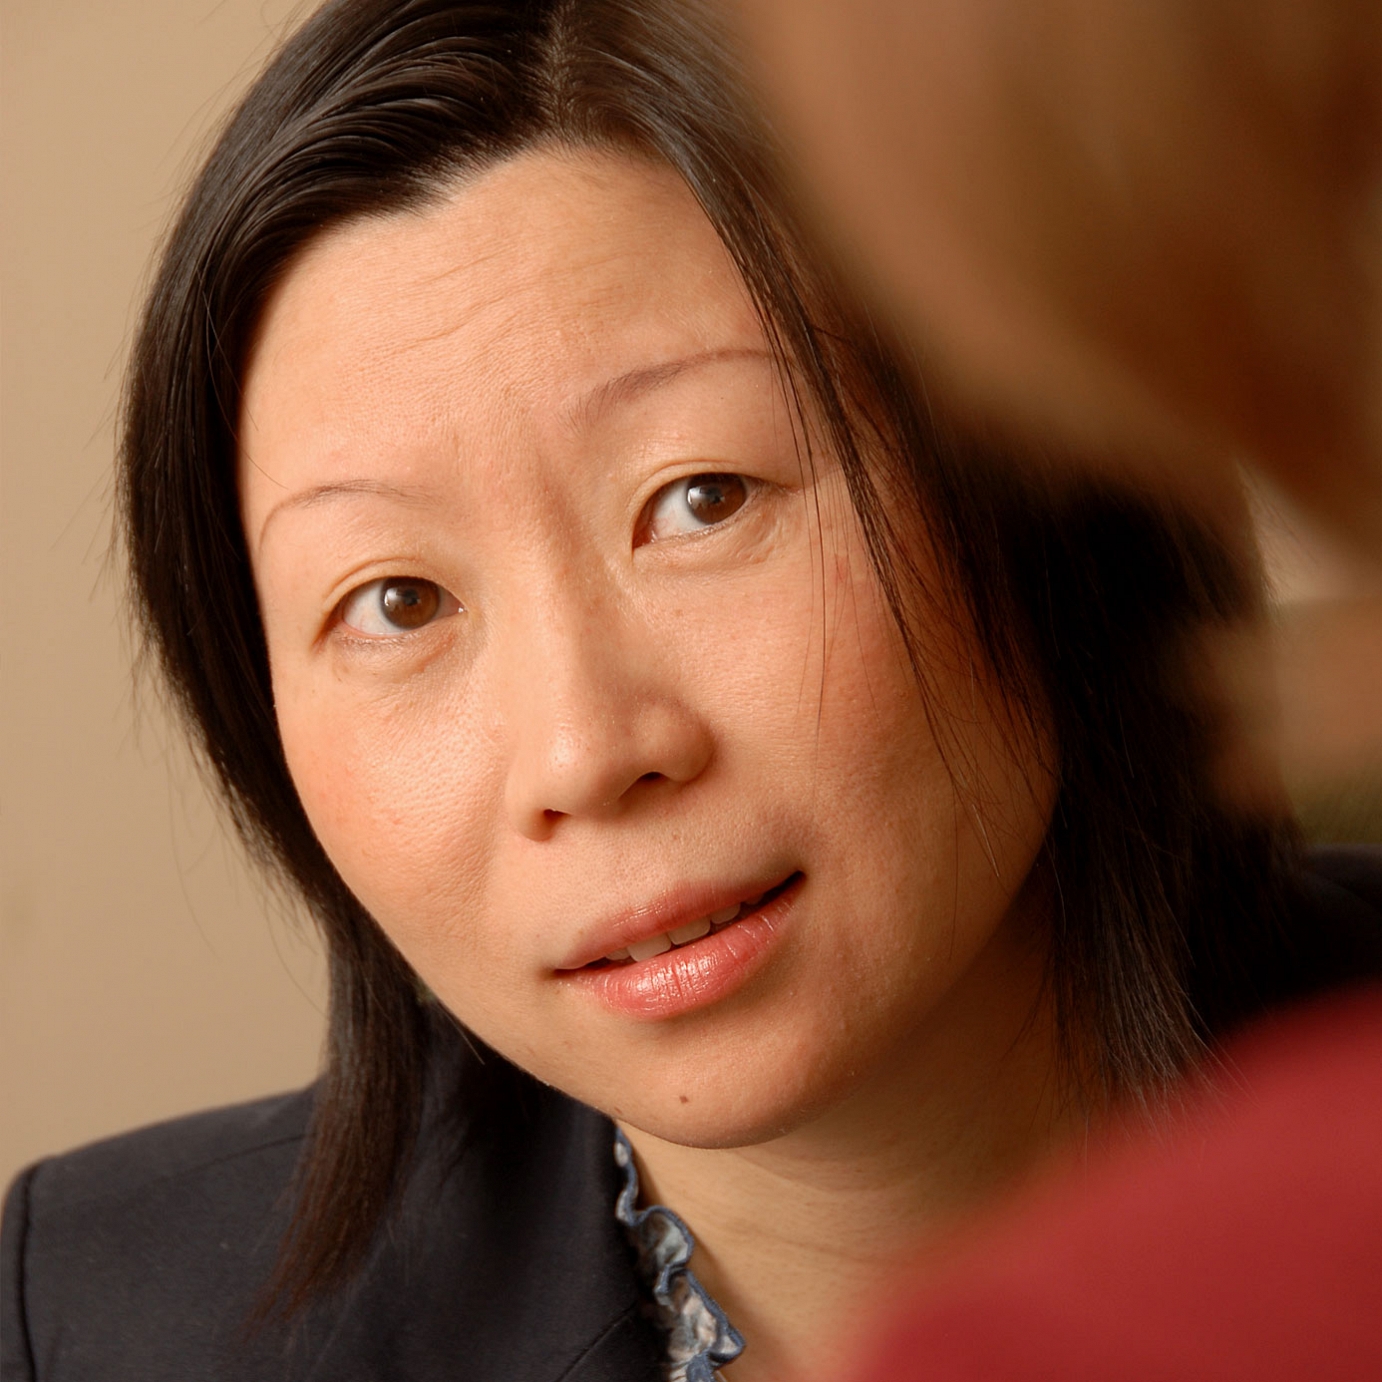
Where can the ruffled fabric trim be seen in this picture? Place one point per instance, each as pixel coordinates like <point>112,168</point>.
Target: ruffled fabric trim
<point>700,1339</point>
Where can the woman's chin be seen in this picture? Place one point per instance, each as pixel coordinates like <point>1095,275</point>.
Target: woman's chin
<point>730,1106</point>
<point>711,1126</point>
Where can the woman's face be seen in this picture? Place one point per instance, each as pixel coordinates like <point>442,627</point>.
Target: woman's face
<point>573,656</point>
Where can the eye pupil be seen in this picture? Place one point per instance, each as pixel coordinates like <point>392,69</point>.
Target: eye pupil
<point>714,497</point>
<point>410,604</point>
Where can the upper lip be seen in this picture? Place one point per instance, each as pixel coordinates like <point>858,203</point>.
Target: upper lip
<point>669,910</point>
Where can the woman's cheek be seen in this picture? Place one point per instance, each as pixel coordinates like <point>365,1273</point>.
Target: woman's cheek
<point>385,783</point>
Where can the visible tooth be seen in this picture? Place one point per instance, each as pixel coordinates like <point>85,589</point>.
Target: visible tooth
<point>724,914</point>
<point>754,901</point>
<point>693,930</point>
<point>617,955</point>
<point>645,950</point>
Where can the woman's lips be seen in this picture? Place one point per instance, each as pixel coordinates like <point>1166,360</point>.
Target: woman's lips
<point>698,971</point>
<point>668,915</point>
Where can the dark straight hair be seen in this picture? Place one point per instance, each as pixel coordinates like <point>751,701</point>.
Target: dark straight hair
<point>1075,591</point>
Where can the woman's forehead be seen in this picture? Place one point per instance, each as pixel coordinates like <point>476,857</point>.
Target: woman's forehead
<point>544,276</point>
<point>549,298</point>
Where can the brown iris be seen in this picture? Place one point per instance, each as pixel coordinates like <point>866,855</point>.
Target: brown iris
<point>713,498</point>
<point>410,604</point>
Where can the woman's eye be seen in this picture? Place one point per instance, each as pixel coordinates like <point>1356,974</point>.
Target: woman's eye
<point>395,605</point>
<point>697,502</point>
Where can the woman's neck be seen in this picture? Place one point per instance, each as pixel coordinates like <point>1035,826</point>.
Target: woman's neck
<point>798,1236</point>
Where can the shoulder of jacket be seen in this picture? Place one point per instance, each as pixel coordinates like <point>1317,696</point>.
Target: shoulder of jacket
<point>140,1255</point>
<point>133,1162</point>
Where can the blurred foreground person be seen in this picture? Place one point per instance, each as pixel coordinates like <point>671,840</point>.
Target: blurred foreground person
<point>1153,232</point>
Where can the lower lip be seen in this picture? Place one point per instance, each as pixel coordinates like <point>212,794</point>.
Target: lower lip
<point>689,977</point>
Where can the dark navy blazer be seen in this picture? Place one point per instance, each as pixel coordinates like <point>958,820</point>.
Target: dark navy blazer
<point>138,1259</point>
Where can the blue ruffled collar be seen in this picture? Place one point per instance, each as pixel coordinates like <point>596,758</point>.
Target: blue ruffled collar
<point>700,1339</point>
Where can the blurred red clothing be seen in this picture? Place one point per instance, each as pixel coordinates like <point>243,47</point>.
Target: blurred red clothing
<point>1246,1244</point>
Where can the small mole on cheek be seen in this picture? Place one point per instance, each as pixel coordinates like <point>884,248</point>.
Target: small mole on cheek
<point>683,1098</point>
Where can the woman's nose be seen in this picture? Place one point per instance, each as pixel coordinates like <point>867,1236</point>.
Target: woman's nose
<point>597,727</point>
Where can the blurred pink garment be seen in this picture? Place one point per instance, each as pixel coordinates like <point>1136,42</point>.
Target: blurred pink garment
<point>1246,1244</point>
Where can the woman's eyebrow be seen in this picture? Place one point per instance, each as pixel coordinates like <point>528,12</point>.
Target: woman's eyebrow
<point>624,388</point>
<point>338,489</point>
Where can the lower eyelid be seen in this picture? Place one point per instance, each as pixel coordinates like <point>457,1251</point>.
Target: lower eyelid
<point>385,643</point>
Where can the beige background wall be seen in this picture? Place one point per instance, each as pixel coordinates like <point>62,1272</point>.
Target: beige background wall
<point>141,970</point>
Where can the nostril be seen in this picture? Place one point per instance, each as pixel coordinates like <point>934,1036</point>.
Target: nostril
<point>653,777</point>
